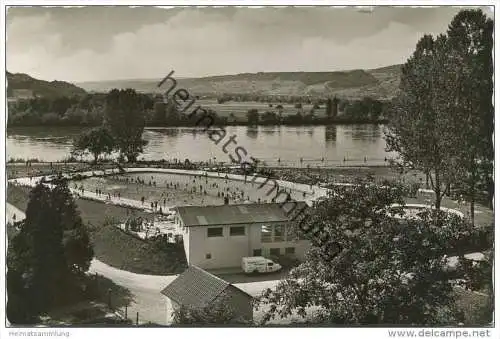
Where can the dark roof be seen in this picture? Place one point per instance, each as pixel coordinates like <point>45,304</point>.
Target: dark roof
<point>237,214</point>
<point>195,288</point>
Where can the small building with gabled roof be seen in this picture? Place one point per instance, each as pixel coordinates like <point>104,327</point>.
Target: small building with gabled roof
<point>195,288</point>
<point>220,236</point>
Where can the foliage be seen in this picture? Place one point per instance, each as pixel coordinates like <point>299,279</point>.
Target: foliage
<point>442,121</point>
<point>218,312</point>
<point>89,110</point>
<point>160,113</point>
<point>329,108</point>
<point>253,116</point>
<point>419,125</point>
<point>367,107</point>
<point>270,118</point>
<point>389,271</point>
<point>49,256</point>
<point>471,41</point>
<point>96,141</point>
<point>125,122</point>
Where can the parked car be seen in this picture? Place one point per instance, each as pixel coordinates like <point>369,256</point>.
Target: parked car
<point>259,265</point>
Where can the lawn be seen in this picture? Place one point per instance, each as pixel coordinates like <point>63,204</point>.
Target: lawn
<point>113,246</point>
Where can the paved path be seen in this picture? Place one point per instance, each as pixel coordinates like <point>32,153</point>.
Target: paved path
<point>145,289</point>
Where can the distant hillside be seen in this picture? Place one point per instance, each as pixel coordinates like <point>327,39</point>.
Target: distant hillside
<point>380,83</point>
<point>19,81</point>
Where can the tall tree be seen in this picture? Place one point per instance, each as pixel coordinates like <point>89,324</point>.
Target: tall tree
<point>335,107</point>
<point>419,127</point>
<point>160,113</point>
<point>328,108</point>
<point>48,256</point>
<point>471,43</point>
<point>253,116</point>
<point>125,118</point>
<point>172,113</point>
<point>389,270</point>
<point>96,141</point>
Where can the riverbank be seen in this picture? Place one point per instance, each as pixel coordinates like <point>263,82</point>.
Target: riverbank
<point>340,120</point>
<point>19,168</point>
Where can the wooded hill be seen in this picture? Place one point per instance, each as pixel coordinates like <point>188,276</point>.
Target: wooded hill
<point>380,83</point>
<point>52,89</point>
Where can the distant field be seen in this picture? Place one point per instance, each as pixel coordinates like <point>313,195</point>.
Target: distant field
<point>240,109</point>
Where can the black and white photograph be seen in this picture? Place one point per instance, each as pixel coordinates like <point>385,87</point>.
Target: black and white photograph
<point>171,167</point>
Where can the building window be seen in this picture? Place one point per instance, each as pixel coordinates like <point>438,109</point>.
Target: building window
<point>279,233</point>
<point>257,252</point>
<point>208,256</point>
<point>290,250</point>
<point>237,230</point>
<point>274,251</point>
<point>266,234</point>
<point>214,232</point>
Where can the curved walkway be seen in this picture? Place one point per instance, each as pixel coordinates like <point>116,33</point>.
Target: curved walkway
<point>145,289</point>
<point>313,190</point>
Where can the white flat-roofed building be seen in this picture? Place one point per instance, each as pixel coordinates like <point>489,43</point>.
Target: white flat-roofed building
<point>219,236</point>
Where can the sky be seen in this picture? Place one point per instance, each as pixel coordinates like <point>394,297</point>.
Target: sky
<point>105,43</point>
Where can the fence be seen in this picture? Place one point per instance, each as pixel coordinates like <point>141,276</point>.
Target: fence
<point>106,294</point>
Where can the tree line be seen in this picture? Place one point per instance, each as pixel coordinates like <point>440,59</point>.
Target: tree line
<point>90,110</point>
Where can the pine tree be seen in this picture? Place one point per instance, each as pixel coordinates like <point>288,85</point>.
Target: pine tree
<point>48,256</point>
<point>471,42</point>
<point>329,104</point>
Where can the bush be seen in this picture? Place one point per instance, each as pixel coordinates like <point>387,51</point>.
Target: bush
<point>286,261</point>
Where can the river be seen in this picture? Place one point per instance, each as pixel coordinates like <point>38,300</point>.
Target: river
<point>316,145</point>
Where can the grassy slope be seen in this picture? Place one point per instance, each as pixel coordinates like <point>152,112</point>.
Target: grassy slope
<point>113,246</point>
